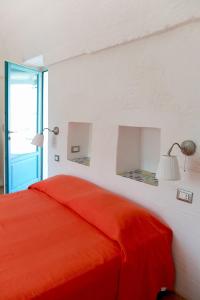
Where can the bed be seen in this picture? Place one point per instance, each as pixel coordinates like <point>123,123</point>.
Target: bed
<point>67,239</point>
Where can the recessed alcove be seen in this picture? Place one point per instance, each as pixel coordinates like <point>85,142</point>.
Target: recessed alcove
<point>79,142</point>
<point>138,153</point>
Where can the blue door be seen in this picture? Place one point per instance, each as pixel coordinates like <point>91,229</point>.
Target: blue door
<point>23,119</point>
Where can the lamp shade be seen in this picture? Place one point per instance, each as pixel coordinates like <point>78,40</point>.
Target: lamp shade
<point>168,168</point>
<point>38,140</point>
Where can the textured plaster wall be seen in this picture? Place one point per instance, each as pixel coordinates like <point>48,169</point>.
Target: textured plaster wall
<point>152,83</point>
<point>66,28</point>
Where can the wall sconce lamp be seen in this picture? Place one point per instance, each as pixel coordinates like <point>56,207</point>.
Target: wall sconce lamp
<point>168,168</point>
<point>38,139</point>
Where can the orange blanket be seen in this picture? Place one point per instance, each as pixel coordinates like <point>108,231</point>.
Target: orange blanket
<point>66,238</point>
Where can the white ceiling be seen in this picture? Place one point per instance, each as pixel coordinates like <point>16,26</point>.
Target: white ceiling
<point>59,29</point>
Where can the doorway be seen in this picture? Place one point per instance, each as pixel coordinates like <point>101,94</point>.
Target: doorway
<point>23,119</point>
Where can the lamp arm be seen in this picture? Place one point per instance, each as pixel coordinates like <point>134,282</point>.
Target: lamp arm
<point>55,130</point>
<point>170,150</point>
<point>187,147</point>
<point>47,129</point>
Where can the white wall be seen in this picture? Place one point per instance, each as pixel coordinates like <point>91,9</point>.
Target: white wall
<point>150,149</point>
<point>152,83</point>
<point>67,28</point>
<point>138,148</point>
<point>128,149</point>
<point>79,134</point>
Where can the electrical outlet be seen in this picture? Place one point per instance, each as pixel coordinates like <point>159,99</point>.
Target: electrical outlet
<point>75,149</point>
<point>57,157</point>
<point>184,195</point>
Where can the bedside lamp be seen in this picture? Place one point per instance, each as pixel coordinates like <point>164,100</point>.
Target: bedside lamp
<point>168,168</point>
<point>38,139</point>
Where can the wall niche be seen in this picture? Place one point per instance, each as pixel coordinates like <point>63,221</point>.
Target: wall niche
<point>138,153</point>
<point>79,142</point>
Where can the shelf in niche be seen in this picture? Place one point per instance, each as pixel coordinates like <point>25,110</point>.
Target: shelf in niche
<point>82,160</point>
<point>138,153</point>
<point>79,138</point>
<point>141,176</point>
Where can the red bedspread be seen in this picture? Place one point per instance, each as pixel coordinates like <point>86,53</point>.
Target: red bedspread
<point>66,238</point>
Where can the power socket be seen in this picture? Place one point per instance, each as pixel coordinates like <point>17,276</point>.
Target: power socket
<point>184,195</point>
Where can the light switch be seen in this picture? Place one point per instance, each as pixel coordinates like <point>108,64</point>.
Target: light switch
<point>184,195</point>
<point>75,149</point>
<point>57,157</point>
